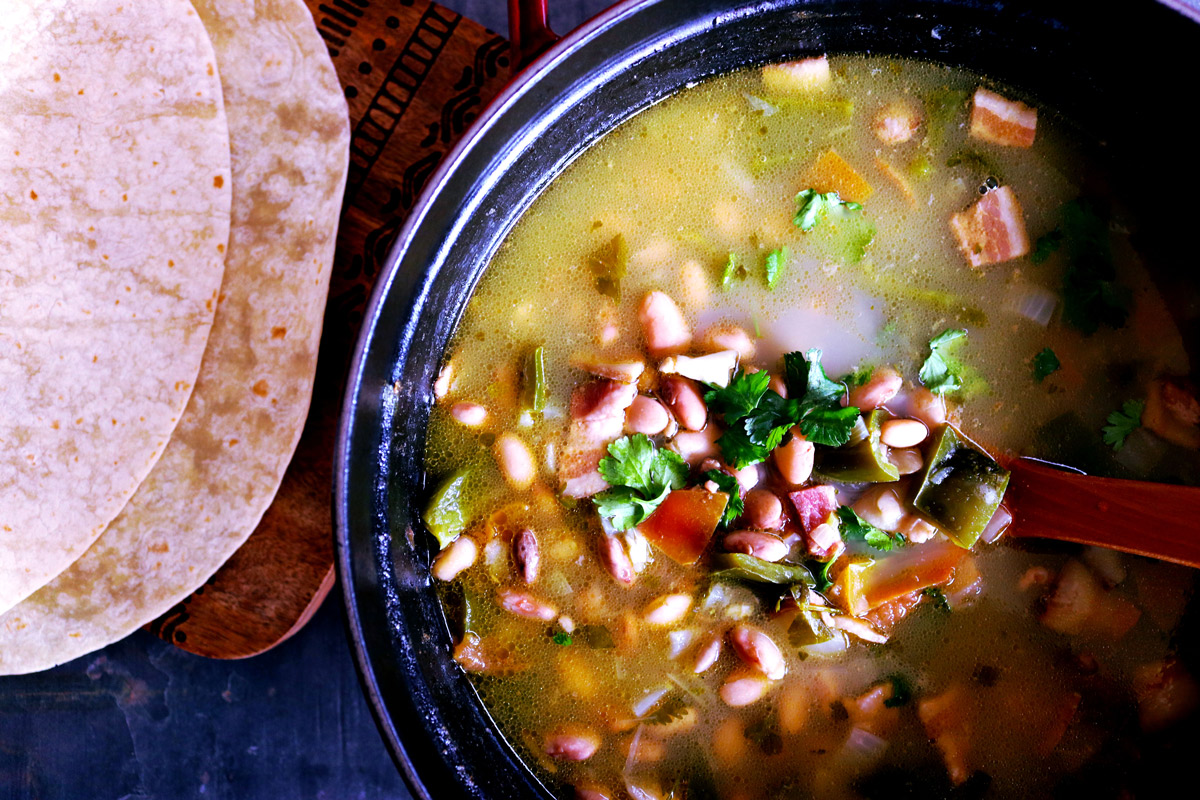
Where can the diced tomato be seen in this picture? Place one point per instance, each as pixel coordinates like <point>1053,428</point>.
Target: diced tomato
<point>887,616</point>
<point>831,173</point>
<point>992,230</point>
<point>910,570</point>
<point>682,526</point>
<point>814,505</point>
<point>1002,121</point>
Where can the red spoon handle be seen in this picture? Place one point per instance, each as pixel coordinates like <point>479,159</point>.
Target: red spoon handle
<point>1151,519</point>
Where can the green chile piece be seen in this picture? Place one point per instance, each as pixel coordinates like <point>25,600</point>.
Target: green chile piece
<point>445,515</point>
<point>808,629</point>
<point>533,381</point>
<point>742,567</point>
<point>960,487</point>
<point>863,459</point>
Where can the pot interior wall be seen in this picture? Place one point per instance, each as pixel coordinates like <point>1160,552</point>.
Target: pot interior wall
<point>1116,78</point>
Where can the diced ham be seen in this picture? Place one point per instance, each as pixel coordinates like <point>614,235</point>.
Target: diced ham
<point>897,122</point>
<point>1001,121</point>
<point>992,230</point>
<point>945,719</point>
<point>806,75</point>
<point>597,418</point>
<point>814,505</point>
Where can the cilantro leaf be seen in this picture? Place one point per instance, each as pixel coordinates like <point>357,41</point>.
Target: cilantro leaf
<point>829,426</point>
<point>732,271</point>
<point>738,450</point>
<point>853,528</point>
<point>859,376</point>
<point>561,638</point>
<point>1045,364</point>
<point>1046,245</point>
<point>822,576</point>
<point>641,475</point>
<point>940,373</point>
<point>735,505</point>
<point>813,206</point>
<point>771,420</point>
<point>776,261</point>
<point>740,397</point>
<point>1124,422</point>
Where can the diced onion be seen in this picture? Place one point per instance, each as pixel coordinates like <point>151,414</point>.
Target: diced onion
<point>864,745</point>
<point>680,640</point>
<point>758,104</point>
<point>997,525</point>
<point>639,549</point>
<point>1032,302</point>
<point>643,707</point>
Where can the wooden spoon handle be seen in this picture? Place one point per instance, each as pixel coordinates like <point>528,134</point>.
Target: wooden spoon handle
<point>1150,519</point>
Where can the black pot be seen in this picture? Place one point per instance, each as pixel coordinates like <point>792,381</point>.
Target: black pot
<point>1123,76</point>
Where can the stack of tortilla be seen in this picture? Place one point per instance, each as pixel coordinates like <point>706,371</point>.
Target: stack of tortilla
<point>172,182</point>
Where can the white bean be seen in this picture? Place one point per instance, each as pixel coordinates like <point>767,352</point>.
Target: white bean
<point>646,415</point>
<point>794,460</point>
<point>901,433</point>
<point>756,543</point>
<point>515,460</point>
<point>728,337</point>
<point>685,402</point>
<point>764,509</point>
<point>758,650</point>
<point>572,746</point>
<point>667,609</point>
<point>470,414</point>
<point>881,387</point>
<point>664,327</point>
<point>457,556</point>
<point>879,506</point>
<point>744,689</point>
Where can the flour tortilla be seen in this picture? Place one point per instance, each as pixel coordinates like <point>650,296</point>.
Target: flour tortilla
<point>290,132</point>
<point>114,219</point>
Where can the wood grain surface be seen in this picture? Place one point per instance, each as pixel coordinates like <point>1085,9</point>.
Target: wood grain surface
<point>415,76</point>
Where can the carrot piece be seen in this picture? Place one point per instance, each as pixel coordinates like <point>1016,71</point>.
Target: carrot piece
<point>831,173</point>
<point>682,525</point>
<point>911,570</point>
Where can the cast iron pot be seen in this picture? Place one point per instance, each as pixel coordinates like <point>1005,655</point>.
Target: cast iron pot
<point>1122,74</point>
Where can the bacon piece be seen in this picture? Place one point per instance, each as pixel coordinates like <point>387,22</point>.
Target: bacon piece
<point>992,230</point>
<point>814,505</point>
<point>597,418</point>
<point>1173,413</point>
<point>998,120</point>
<point>897,122</point>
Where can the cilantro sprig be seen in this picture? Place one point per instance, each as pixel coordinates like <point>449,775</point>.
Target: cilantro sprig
<point>757,418</point>
<point>941,372</point>
<point>641,476</point>
<point>1123,422</point>
<point>735,505</point>
<point>732,271</point>
<point>775,264</point>
<point>814,206</point>
<point>1045,364</point>
<point>854,528</point>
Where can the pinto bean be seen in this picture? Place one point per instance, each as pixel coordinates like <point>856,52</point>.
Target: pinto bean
<point>457,556</point>
<point>685,401</point>
<point>901,433</point>
<point>880,507</point>
<point>917,530</point>
<point>758,650</point>
<point>928,407</point>
<point>756,543</point>
<point>764,510</point>
<point>667,609</point>
<point>694,447</point>
<point>794,460</point>
<point>728,337</point>
<point>515,461</point>
<point>742,689</point>
<point>523,604</point>
<point>616,560</point>
<point>591,793</point>
<point>470,414</point>
<point>646,415</point>
<point>778,385</point>
<point>882,386</point>
<point>707,654</point>
<point>665,329</point>
<point>526,555</point>
<point>793,707</point>
<point>576,745</point>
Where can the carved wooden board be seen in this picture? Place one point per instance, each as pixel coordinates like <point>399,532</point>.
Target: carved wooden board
<point>415,75</point>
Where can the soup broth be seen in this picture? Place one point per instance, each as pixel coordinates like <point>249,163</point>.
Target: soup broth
<point>1022,666</point>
